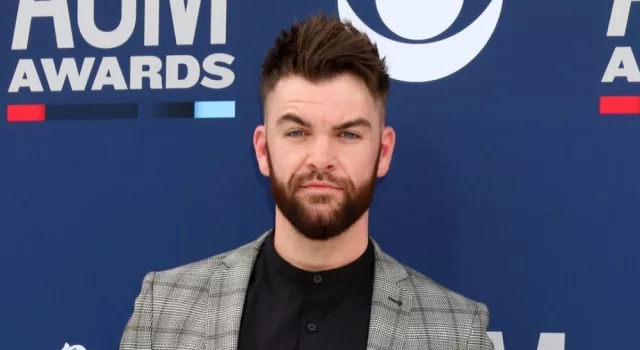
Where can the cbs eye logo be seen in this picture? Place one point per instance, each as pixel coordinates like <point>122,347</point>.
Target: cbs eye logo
<point>425,19</point>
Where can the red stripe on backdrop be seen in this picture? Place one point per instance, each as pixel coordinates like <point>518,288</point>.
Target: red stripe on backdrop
<point>25,113</point>
<point>620,105</point>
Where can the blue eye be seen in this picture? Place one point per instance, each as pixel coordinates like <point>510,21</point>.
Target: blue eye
<point>295,133</point>
<point>350,135</point>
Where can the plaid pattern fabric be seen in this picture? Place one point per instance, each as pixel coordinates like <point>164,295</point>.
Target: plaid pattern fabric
<point>199,306</point>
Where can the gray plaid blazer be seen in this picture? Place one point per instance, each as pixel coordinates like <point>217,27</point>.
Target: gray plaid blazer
<point>199,306</point>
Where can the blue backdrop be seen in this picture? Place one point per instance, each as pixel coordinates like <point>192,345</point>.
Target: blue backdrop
<point>511,182</point>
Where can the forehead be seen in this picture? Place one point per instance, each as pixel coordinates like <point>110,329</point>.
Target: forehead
<point>342,97</point>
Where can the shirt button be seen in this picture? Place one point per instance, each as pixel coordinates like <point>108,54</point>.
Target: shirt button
<point>317,279</point>
<point>311,327</point>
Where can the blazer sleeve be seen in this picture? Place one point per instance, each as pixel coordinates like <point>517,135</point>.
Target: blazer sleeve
<point>137,332</point>
<point>478,338</point>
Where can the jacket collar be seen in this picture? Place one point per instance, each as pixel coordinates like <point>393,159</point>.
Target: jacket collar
<point>391,301</point>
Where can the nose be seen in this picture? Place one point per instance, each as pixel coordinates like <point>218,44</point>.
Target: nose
<point>322,155</point>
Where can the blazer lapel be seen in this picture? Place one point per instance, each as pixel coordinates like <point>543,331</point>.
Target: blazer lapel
<point>390,307</point>
<point>227,292</point>
<point>391,304</point>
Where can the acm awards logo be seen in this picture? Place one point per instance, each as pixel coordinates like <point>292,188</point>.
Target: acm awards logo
<point>103,71</point>
<point>161,72</point>
<point>421,20</point>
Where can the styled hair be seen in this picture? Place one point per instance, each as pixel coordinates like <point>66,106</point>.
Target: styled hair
<point>321,47</point>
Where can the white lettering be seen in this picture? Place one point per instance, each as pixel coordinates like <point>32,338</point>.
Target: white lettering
<point>497,340</point>
<point>110,39</point>
<point>226,74</point>
<point>151,22</point>
<point>218,22</point>
<point>137,72</point>
<point>68,70</point>
<point>181,72</point>
<point>173,80</point>
<point>75,347</point>
<point>58,10</point>
<point>184,15</point>
<point>551,341</point>
<point>26,75</point>
<point>109,73</point>
<point>547,341</point>
<point>619,17</point>
<point>622,64</point>
<point>185,19</point>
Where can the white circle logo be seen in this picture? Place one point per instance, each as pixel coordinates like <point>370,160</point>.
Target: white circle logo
<point>425,19</point>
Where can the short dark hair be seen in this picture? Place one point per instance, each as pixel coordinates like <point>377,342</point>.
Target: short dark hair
<point>322,47</point>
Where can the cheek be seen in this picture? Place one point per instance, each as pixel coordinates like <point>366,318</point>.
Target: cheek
<point>285,164</point>
<point>358,166</point>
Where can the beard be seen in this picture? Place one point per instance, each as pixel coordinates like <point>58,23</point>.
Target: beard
<point>321,216</point>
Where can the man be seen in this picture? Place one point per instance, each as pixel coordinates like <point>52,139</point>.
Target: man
<point>316,280</point>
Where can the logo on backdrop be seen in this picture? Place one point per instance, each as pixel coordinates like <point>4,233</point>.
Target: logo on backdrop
<point>547,341</point>
<point>96,74</point>
<point>425,19</point>
<point>107,69</point>
<point>623,65</point>
<point>75,347</point>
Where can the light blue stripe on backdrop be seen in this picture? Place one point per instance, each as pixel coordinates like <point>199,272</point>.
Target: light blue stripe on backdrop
<point>215,109</point>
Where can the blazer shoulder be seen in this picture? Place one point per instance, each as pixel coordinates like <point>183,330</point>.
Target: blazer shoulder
<point>199,268</point>
<point>430,292</point>
<point>163,302</point>
<point>205,268</point>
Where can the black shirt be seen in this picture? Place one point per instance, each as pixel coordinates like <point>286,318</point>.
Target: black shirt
<point>288,308</point>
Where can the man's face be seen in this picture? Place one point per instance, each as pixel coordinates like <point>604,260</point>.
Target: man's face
<point>323,146</point>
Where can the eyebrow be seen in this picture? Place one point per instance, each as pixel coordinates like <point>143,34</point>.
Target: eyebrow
<point>353,123</point>
<point>290,117</point>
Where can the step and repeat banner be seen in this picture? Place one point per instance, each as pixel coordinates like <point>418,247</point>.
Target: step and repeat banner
<point>126,147</point>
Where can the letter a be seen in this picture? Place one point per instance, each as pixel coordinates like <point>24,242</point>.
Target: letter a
<point>30,9</point>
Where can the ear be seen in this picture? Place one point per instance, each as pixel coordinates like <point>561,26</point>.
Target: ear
<point>387,143</point>
<point>260,147</point>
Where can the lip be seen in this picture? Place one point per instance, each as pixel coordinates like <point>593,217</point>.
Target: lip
<point>320,185</point>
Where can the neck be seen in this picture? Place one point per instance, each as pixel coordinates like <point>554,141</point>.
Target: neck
<point>311,255</point>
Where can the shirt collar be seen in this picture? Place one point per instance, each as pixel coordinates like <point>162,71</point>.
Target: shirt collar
<point>359,268</point>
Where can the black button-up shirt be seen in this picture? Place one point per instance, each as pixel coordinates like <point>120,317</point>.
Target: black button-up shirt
<point>288,308</point>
